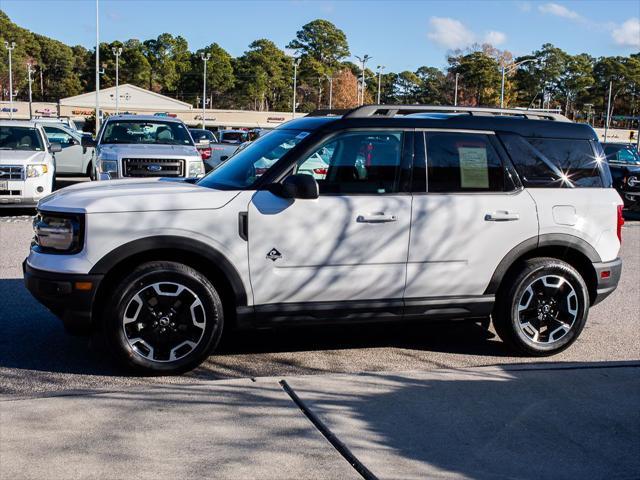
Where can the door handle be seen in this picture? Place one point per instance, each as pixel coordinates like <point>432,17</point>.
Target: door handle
<point>376,218</point>
<point>502,216</point>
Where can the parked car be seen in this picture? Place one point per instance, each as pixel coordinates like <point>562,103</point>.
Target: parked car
<point>624,162</point>
<point>203,140</point>
<point>472,213</point>
<point>228,143</point>
<point>145,146</point>
<point>66,121</point>
<point>74,158</point>
<point>27,163</point>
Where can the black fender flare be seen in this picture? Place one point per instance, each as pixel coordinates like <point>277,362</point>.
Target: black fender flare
<point>562,240</point>
<point>176,243</point>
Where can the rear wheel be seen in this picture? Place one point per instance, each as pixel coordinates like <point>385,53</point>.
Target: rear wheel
<point>164,318</point>
<point>91,172</point>
<point>542,308</point>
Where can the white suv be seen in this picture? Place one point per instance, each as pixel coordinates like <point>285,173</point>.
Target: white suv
<point>421,213</point>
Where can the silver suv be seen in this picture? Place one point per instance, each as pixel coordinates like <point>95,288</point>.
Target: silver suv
<point>145,146</point>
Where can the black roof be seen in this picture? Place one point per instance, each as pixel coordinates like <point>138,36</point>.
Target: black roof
<point>522,122</point>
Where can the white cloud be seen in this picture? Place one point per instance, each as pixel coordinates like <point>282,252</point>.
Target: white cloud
<point>627,34</point>
<point>449,32</point>
<point>495,38</point>
<point>452,33</point>
<point>559,11</point>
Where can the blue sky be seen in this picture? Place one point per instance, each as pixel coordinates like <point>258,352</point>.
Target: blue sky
<point>399,34</point>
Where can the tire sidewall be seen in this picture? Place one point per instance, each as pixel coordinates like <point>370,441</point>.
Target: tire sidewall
<point>520,285</point>
<point>130,286</point>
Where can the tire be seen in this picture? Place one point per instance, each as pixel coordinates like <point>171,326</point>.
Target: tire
<point>91,172</point>
<point>542,308</point>
<point>146,324</point>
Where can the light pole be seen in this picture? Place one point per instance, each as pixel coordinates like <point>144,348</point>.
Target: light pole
<point>363,60</point>
<point>455,92</point>
<point>117,52</point>
<point>41,84</point>
<point>97,69</point>
<point>205,58</point>
<point>606,125</point>
<point>10,47</point>
<point>511,67</point>
<point>330,78</point>
<point>29,72</point>
<point>380,69</point>
<point>296,62</point>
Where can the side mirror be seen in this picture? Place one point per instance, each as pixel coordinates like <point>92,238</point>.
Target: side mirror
<point>73,141</point>
<point>88,142</point>
<point>300,186</point>
<point>55,147</point>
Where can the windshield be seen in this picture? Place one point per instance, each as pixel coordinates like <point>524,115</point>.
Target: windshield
<point>20,138</point>
<point>245,167</point>
<point>200,135</point>
<point>135,131</point>
<point>627,154</point>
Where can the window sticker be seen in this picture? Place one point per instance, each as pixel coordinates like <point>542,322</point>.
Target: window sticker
<point>301,135</point>
<point>474,171</point>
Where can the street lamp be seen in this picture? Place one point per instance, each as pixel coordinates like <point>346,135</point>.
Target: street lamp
<point>455,92</point>
<point>330,78</point>
<point>117,52</point>
<point>363,60</point>
<point>29,72</point>
<point>510,68</point>
<point>204,57</point>
<point>607,119</point>
<point>10,47</point>
<point>380,69</point>
<point>97,68</point>
<point>296,63</point>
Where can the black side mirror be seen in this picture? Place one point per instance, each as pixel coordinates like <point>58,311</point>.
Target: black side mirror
<point>73,141</point>
<point>55,147</point>
<point>300,186</point>
<point>88,142</point>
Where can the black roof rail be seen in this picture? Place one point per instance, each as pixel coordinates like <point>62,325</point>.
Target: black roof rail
<point>330,113</point>
<point>393,110</point>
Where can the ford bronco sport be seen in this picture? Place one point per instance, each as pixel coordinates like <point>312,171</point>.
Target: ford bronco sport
<point>421,213</point>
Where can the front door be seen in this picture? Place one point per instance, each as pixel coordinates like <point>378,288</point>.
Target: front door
<point>70,159</point>
<point>351,243</point>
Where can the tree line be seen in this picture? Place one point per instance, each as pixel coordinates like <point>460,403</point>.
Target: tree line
<point>262,77</point>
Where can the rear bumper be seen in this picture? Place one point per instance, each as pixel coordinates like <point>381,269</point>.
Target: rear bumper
<point>606,283</point>
<point>63,296</point>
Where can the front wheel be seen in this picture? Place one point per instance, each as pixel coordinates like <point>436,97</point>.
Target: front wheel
<point>164,318</point>
<point>542,308</point>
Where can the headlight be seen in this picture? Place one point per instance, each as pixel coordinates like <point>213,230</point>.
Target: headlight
<point>36,170</point>
<point>196,169</point>
<point>107,166</point>
<point>58,232</point>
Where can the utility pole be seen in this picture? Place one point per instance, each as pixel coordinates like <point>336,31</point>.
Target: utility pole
<point>10,47</point>
<point>330,78</point>
<point>29,72</point>
<point>380,69</point>
<point>296,62</point>
<point>117,52</point>
<point>363,60</point>
<point>606,125</point>
<point>41,85</point>
<point>97,69</point>
<point>455,92</point>
<point>204,57</point>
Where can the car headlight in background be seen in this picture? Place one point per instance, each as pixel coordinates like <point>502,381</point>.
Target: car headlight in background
<point>58,232</point>
<point>107,166</point>
<point>196,169</point>
<point>36,170</point>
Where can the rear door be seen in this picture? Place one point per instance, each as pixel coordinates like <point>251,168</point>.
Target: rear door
<point>468,212</point>
<point>350,244</point>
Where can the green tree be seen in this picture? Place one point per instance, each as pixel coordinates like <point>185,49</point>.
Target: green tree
<point>480,82</point>
<point>169,58</point>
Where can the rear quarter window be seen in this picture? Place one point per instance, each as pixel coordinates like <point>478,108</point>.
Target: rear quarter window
<point>554,162</point>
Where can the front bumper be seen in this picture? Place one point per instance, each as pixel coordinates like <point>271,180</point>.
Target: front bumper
<point>606,283</point>
<point>68,296</point>
<point>25,193</point>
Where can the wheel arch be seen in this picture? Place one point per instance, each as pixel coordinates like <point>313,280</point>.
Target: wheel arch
<point>568,248</point>
<point>198,255</point>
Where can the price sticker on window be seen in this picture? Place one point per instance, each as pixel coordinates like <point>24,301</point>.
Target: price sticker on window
<point>474,172</point>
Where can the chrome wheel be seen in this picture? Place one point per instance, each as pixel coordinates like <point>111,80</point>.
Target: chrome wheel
<point>164,322</point>
<point>547,309</point>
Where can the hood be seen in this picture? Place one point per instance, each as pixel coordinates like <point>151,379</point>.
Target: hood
<point>21,157</point>
<point>150,150</point>
<point>135,196</point>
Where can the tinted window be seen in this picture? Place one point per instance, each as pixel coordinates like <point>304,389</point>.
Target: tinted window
<point>19,138</point>
<point>59,136</point>
<point>460,162</point>
<point>357,162</point>
<point>622,154</point>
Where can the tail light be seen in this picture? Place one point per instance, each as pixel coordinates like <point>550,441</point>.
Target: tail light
<point>320,171</point>
<point>205,153</point>
<point>620,223</point>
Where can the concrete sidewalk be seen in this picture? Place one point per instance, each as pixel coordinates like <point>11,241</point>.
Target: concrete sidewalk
<point>493,422</point>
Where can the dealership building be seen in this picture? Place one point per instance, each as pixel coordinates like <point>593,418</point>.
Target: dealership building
<point>136,100</point>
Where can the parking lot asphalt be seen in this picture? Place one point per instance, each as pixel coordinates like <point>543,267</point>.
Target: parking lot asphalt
<point>38,358</point>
